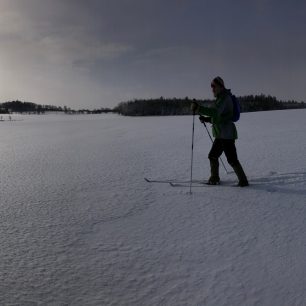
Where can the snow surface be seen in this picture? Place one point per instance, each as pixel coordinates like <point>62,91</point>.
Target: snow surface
<point>80,226</point>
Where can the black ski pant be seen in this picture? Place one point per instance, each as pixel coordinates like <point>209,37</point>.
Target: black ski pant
<point>228,147</point>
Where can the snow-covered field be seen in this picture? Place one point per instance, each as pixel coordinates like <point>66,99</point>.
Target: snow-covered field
<point>80,226</point>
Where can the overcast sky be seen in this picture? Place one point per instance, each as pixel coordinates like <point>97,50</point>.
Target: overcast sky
<point>96,53</point>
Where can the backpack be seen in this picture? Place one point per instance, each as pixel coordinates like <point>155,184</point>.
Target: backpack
<point>236,108</point>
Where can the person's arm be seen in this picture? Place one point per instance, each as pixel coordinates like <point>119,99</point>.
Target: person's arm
<point>211,112</point>
<point>208,111</point>
<point>220,112</point>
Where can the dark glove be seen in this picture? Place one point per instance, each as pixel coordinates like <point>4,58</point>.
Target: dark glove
<point>205,119</point>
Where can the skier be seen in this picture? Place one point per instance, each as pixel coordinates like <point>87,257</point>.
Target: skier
<point>224,131</point>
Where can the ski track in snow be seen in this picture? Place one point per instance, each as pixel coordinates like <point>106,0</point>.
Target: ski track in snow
<point>80,226</point>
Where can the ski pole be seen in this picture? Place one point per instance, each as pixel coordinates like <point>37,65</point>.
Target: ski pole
<point>212,142</point>
<point>191,166</point>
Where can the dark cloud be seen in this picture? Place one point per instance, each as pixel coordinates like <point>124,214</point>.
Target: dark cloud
<point>97,53</point>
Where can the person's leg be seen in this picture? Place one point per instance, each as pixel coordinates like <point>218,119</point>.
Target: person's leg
<point>231,155</point>
<point>214,154</point>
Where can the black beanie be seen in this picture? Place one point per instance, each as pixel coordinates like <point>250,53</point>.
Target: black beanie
<point>219,81</point>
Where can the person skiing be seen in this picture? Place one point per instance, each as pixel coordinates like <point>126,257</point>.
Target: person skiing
<point>224,132</point>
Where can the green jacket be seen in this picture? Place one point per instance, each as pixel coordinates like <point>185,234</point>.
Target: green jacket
<point>221,115</point>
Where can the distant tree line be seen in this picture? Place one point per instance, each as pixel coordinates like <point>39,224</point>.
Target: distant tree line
<point>33,108</point>
<point>174,106</point>
<point>87,111</point>
<point>26,107</point>
<point>262,102</point>
<point>154,107</point>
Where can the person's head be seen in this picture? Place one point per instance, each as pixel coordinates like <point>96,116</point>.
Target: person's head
<point>217,86</point>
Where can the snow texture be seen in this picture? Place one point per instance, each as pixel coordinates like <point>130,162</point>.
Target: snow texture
<point>80,226</point>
